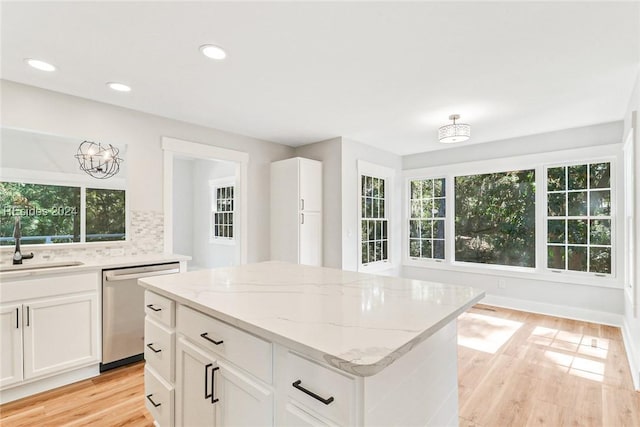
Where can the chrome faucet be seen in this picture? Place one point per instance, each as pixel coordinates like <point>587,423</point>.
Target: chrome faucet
<point>17,235</point>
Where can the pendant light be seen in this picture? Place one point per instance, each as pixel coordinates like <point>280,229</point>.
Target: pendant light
<point>454,132</point>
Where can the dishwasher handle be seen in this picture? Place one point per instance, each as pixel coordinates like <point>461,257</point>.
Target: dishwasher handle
<point>114,277</point>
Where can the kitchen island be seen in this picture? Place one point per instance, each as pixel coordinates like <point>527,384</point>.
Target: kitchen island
<point>285,344</point>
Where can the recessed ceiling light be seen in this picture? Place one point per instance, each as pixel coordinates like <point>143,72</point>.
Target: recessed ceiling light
<point>213,51</point>
<point>119,87</point>
<point>40,65</point>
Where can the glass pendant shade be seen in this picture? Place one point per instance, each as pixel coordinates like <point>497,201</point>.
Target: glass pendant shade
<point>455,132</point>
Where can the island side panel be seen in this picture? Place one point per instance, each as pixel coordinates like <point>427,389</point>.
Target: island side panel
<point>420,388</point>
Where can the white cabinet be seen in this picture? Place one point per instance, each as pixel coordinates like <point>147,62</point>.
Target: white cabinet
<point>49,326</point>
<point>210,391</point>
<point>59,333</point>
<point>296,211</point>
<point>11,344</point>
<point>243,400</point>
<point>195,373</point>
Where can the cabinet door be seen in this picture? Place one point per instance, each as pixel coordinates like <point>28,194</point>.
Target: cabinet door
<point>243,401</point>
<point>10,344</point>
<point>194,404</point>
<point>60,333</point>
<point>310,185</point>
<point>295,416</point>
<point>310,245</point>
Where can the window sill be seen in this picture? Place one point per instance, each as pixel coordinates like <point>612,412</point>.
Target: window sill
<point>223,242</point>
<point>376,267</point>
<point>518,272</point>
<point>75,245</point>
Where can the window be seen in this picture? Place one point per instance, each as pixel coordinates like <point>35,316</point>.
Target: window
<point>579,218</point>
<point>374,221</point>
<point>223,212</point>
<point>105,215</point>
<point>495,218</point>
<point>427,218</point>
<point>53,213</point>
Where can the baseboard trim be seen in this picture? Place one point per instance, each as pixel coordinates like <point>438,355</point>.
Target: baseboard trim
<point>563,311</point>
<point>35,387</point>
<point>631,355</point>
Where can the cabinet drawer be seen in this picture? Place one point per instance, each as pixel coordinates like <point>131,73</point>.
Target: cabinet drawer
<point>325,383</point>
<point>160,308</point>
<point>239,347</point>
<point>158,398</point>
<point>158,348</point>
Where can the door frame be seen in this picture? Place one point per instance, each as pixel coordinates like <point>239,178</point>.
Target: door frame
<point>172,147</point>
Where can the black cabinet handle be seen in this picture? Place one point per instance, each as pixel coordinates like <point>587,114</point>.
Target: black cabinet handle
<point>17,318</point>
<point>155,405</point>
<point>153,308</point>
<point>213,377</point>
<point>150,345</point>
<point>204,335</point>
<point>312,394</point>
<point>207,395</point>
<point>27,315</point>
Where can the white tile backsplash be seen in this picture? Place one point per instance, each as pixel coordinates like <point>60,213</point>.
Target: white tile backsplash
<point>145,233</point>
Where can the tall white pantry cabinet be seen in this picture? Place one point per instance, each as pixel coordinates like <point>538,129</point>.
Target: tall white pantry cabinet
<point>296,211</point>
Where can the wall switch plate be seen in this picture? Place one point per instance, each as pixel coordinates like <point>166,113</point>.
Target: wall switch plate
<point>502,283</point>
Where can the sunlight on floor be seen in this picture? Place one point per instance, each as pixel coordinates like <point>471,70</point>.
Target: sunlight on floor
<point>573,353</point>
<point>490,334</point>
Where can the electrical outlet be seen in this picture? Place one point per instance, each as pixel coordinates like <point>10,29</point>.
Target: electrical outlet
<point>502,283</point>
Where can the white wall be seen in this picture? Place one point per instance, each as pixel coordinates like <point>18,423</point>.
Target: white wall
<point>631,325</point>
<point>352,151</point>
<point>182,206</point>
<point>208,253</point>
<point>329,152</point>
<point>591,300</point>
<point>32,108</point>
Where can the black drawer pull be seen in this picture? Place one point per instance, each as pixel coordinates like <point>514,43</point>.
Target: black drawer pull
<point>155,405</point>
<point>153,308</point>
<point>150,345</point>
<point>204,335</point>
<point>312,394</point>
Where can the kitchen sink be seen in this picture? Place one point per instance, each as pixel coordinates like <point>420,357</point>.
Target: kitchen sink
<point>39,266</point>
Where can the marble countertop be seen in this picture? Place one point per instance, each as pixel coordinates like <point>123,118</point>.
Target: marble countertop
<point>92,265</point>
<point>359,323</point>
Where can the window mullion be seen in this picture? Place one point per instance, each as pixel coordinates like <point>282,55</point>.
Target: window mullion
<point>83,214</point>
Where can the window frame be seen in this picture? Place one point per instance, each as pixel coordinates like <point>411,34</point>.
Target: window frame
<point>539,162</point>
<point>67,180</point>
<point>408,218</point>
<point>376,171</point>
<point>214,184</point>
<point>588,217</point>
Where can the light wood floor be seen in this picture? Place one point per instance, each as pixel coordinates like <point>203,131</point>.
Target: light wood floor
<point>515,369</point>
<point>523,369</point>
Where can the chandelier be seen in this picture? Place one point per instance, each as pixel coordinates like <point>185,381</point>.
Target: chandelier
<point>99,161</point>
<point>454,132</point>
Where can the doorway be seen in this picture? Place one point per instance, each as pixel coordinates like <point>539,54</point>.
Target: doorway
<point>205,203</point>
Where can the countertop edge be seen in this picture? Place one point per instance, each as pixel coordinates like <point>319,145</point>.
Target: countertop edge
<point>98,265</point>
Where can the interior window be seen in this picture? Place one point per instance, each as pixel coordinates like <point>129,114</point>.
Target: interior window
<point>374,222</point>
<point>427,218</point>
<point>223,212</point>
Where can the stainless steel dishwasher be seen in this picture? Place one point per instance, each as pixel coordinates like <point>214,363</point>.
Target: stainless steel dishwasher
<point>123,312</point>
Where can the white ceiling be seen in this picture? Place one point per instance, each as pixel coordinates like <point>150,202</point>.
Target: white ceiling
<point>386,74</point>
